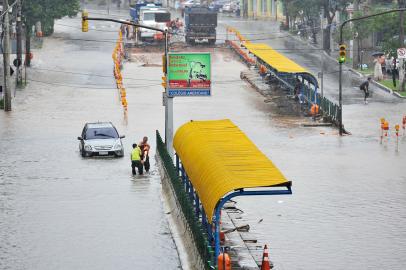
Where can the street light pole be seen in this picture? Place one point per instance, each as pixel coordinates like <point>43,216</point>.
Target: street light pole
<point>340,102</point>
<point>19,43</point>
<point>6,58</point>
<point>168,104</point>
<point>169,100</point>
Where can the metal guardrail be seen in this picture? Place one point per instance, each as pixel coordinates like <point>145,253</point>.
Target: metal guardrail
<point>186,203</point>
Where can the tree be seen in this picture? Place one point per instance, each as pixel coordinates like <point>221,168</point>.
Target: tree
<point>402,77</point>
<point>330,9</point>
<point>307,11</point>
<point>46,11</point>
<point>401,4</point>
<point>310,10</point>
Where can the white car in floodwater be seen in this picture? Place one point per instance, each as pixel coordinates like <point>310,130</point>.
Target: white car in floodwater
<point>100,139</point>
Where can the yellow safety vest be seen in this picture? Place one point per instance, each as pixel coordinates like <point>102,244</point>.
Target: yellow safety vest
<point>136,154</point>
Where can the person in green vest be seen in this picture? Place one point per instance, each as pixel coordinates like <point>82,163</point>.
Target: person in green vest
<point>136,159</point>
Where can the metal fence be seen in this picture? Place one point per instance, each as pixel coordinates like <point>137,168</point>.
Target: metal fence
<point>195,226</point>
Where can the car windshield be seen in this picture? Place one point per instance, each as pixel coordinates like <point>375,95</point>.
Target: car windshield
<point>149,16</point>
<point>162,17</point>
<point>101,133</point>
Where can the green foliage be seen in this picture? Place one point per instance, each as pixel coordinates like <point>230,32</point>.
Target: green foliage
<point>1,104</point>
<point>387,25</point>
<point>363,28</point>
<point>301,8</point>
<point>47,11</point>
<point>332,6</point>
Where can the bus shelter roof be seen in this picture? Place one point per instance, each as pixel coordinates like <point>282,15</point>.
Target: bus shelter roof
<point>273,58</point>
<point>219,158</point>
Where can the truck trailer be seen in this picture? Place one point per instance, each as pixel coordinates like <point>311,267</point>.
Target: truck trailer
<point>200,24</point>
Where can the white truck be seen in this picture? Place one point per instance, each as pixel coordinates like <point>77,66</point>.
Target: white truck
<point>153,16</point>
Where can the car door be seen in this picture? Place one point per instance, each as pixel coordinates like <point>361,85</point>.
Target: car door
<point>82,143</point>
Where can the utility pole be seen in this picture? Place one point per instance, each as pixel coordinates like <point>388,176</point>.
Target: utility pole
<point>6,58</point>
<point>322,53</point>
<point>355,47</point>
<point>19,43</point>
<point>401,23</point>
<point>169,105</point>
<point>108,7</point>
<point>402,45</point>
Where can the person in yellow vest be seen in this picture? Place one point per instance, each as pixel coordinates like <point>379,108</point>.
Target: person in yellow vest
<point>136,160</point>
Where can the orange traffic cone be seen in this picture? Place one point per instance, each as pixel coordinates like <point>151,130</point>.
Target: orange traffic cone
<point>265,259</point>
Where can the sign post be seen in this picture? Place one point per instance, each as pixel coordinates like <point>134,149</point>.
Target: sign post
<point>189,74</point>
<point>401,56</point>
<point>402,53</point>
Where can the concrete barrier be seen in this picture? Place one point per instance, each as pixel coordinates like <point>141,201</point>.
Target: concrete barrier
<point>182,235</point>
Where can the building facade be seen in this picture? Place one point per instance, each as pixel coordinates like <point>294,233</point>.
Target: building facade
<point>262,9</point>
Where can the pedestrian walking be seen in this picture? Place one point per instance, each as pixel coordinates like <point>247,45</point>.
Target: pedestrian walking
<point>144,146</point>
<point>393,71</point>
<point>123,29</point>
<point>136,161</point>
<point>127,31</point>
<point>365,87</point>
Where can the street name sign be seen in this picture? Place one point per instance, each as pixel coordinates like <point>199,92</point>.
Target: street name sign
<point>189,74</point>
<point>402,53</point>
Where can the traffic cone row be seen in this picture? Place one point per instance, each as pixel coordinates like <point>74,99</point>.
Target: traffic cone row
<point>118,55</point>
<point>238,34</point>
<point>242,53</point>
<point>265,265</point>
<point>237,46</point>
<point>385,131</point>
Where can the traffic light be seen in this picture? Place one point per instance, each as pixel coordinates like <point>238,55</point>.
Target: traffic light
<point>85,22</point>
<point>163,81</point>
<point>164,65</point>
<point>341,54</point>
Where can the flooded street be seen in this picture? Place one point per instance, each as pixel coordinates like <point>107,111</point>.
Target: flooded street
<point>57,209</point>
<point>61,211</point>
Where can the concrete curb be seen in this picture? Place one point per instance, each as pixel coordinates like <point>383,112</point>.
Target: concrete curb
<point>398,95</point>
<point>382,87</point>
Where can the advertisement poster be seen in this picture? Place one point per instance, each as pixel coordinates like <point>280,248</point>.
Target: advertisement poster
<point>189,74</point>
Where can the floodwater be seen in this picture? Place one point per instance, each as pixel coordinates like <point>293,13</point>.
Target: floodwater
<point>347,208</point>
<point>57,209</point>
<point>60,211</point>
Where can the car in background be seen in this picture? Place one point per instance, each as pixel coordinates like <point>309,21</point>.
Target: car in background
<point>216,5</point>
<point>189,3</point>
<point>230,7</point>
<point>100,139</point>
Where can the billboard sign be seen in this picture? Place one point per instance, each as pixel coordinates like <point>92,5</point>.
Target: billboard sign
<point>189,74</point>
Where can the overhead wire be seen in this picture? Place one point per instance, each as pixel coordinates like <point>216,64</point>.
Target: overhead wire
<point>125,78</point>
<point>9,6</point>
